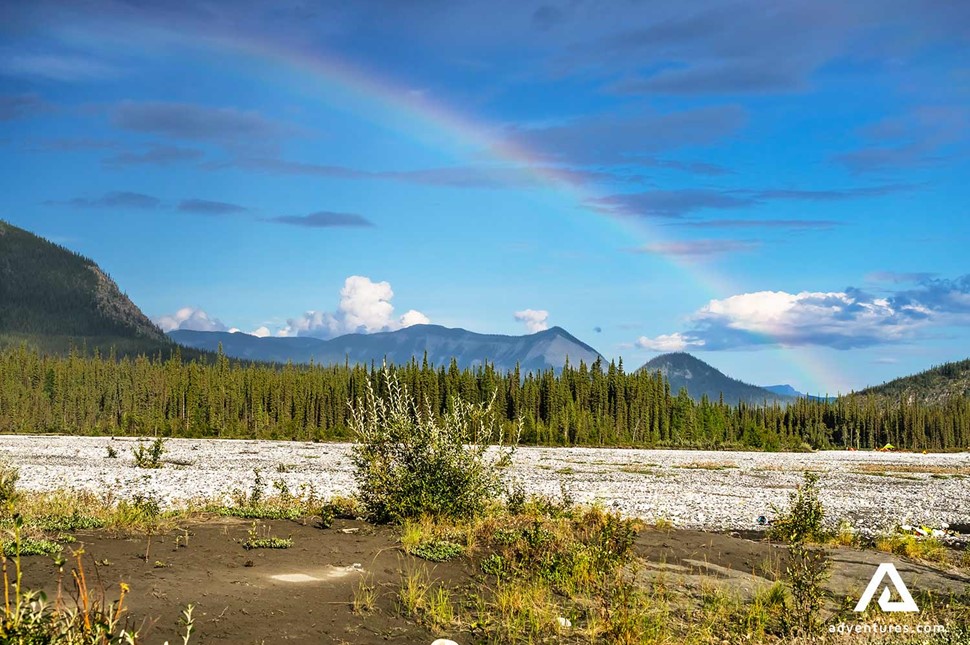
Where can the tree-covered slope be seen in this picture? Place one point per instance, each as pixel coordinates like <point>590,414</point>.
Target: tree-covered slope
<point>685,371</point>
<point>934,385</point>
<point>54,298</point>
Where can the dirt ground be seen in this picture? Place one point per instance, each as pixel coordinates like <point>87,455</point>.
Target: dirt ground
<point>303,594</point>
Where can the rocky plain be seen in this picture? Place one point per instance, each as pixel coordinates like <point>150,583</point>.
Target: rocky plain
<point>706,490</point>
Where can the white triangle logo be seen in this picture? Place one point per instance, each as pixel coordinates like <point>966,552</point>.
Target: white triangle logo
<point>905,604</point>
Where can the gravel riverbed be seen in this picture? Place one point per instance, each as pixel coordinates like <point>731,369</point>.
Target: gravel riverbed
<point>691,489</point>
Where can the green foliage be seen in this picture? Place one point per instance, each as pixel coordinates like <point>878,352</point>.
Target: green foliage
<point>805,518</point>
<point>73,522</point>
<point>408,463</point>
<point>112,453</point>
<point>149,456</point>
<point>30,546</point>
<point>261,538</point>
<point>807,567</point>
<point>438,550</point>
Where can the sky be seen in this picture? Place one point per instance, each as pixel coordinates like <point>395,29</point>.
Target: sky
<point>780,189</point>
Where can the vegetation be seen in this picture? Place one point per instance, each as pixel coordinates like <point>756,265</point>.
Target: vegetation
<point>149,456</point>
<point>598,404</point>
<point>408,463</point>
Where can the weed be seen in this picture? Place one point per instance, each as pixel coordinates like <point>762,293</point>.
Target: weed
<point>112,453</point>
<point>149,456</point>
<point>260,538</point>
<point>365,596</point>
<point>9,476</point>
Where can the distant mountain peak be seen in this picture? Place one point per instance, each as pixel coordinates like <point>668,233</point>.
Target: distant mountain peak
<point>684,370</point>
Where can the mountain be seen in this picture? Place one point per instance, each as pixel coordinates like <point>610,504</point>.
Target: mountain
<point>685,371</point>
<point>55,299</point>
<point>934,385</point>
<point>538,351</point>
<point>783,390</point>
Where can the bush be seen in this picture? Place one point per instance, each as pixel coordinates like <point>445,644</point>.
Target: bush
<point>804,520</point>
<point>408,462</point>
<point>9,476</point>
<point>149,456</point>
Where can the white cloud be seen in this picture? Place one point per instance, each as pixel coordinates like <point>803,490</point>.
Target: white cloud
<point>534,319</point>
<point>365,307</point>
<point>190,318</point>
<point>839,319</point>
<point>261,332</point>
<point>675,342</point>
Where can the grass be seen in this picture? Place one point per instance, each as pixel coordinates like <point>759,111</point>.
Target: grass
<point>708,465</point>
<point>913,468</point>
<point>919,548</point>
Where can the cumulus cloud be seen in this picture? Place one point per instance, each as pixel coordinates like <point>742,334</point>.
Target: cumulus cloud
<point>190,318</point>
<point>365,307</point>
<point>839,319</point>
<point>533,319</point>
<point>261,332</point>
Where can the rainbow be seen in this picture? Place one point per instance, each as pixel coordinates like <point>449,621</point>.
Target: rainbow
<point>434,125</point>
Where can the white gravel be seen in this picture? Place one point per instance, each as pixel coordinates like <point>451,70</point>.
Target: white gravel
<point>675,485</point>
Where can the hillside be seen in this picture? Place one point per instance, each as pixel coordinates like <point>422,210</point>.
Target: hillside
<point>542,350</point>
<point>934,385</point>
<point>685,371</point>
<point>54,299</point>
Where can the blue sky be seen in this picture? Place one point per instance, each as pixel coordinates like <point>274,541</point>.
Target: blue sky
<point>780,189</point>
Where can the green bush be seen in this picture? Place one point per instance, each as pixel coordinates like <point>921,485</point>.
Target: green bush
<point>149,456</point>
<point>409,463</point>
<point>804,520</point>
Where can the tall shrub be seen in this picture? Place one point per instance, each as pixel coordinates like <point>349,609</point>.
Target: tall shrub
<point>409,462</point>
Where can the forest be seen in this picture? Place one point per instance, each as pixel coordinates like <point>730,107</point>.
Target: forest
<point>583,405</point>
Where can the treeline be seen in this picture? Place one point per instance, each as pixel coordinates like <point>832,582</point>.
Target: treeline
<point>597,405</point>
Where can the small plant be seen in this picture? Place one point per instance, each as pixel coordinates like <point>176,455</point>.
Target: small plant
<point>149,456</point>
<point>260,538</point>
<point>365,596</point>
<point>807,567</point>
<point>804,519</point>
<point>438,551</point>
<point>112,453</point>
<point>326,516</point>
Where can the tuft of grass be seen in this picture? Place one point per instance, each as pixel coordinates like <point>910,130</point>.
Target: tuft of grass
<point>365,596</point>
<point>912,546</point>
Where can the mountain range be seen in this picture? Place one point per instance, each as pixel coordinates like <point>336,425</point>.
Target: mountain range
<point>539,351</point>
<point>54,300</point>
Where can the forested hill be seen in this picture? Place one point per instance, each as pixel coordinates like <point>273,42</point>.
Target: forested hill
<point>700,379</point>
<point>54,299</point>
<point>934,385</point>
